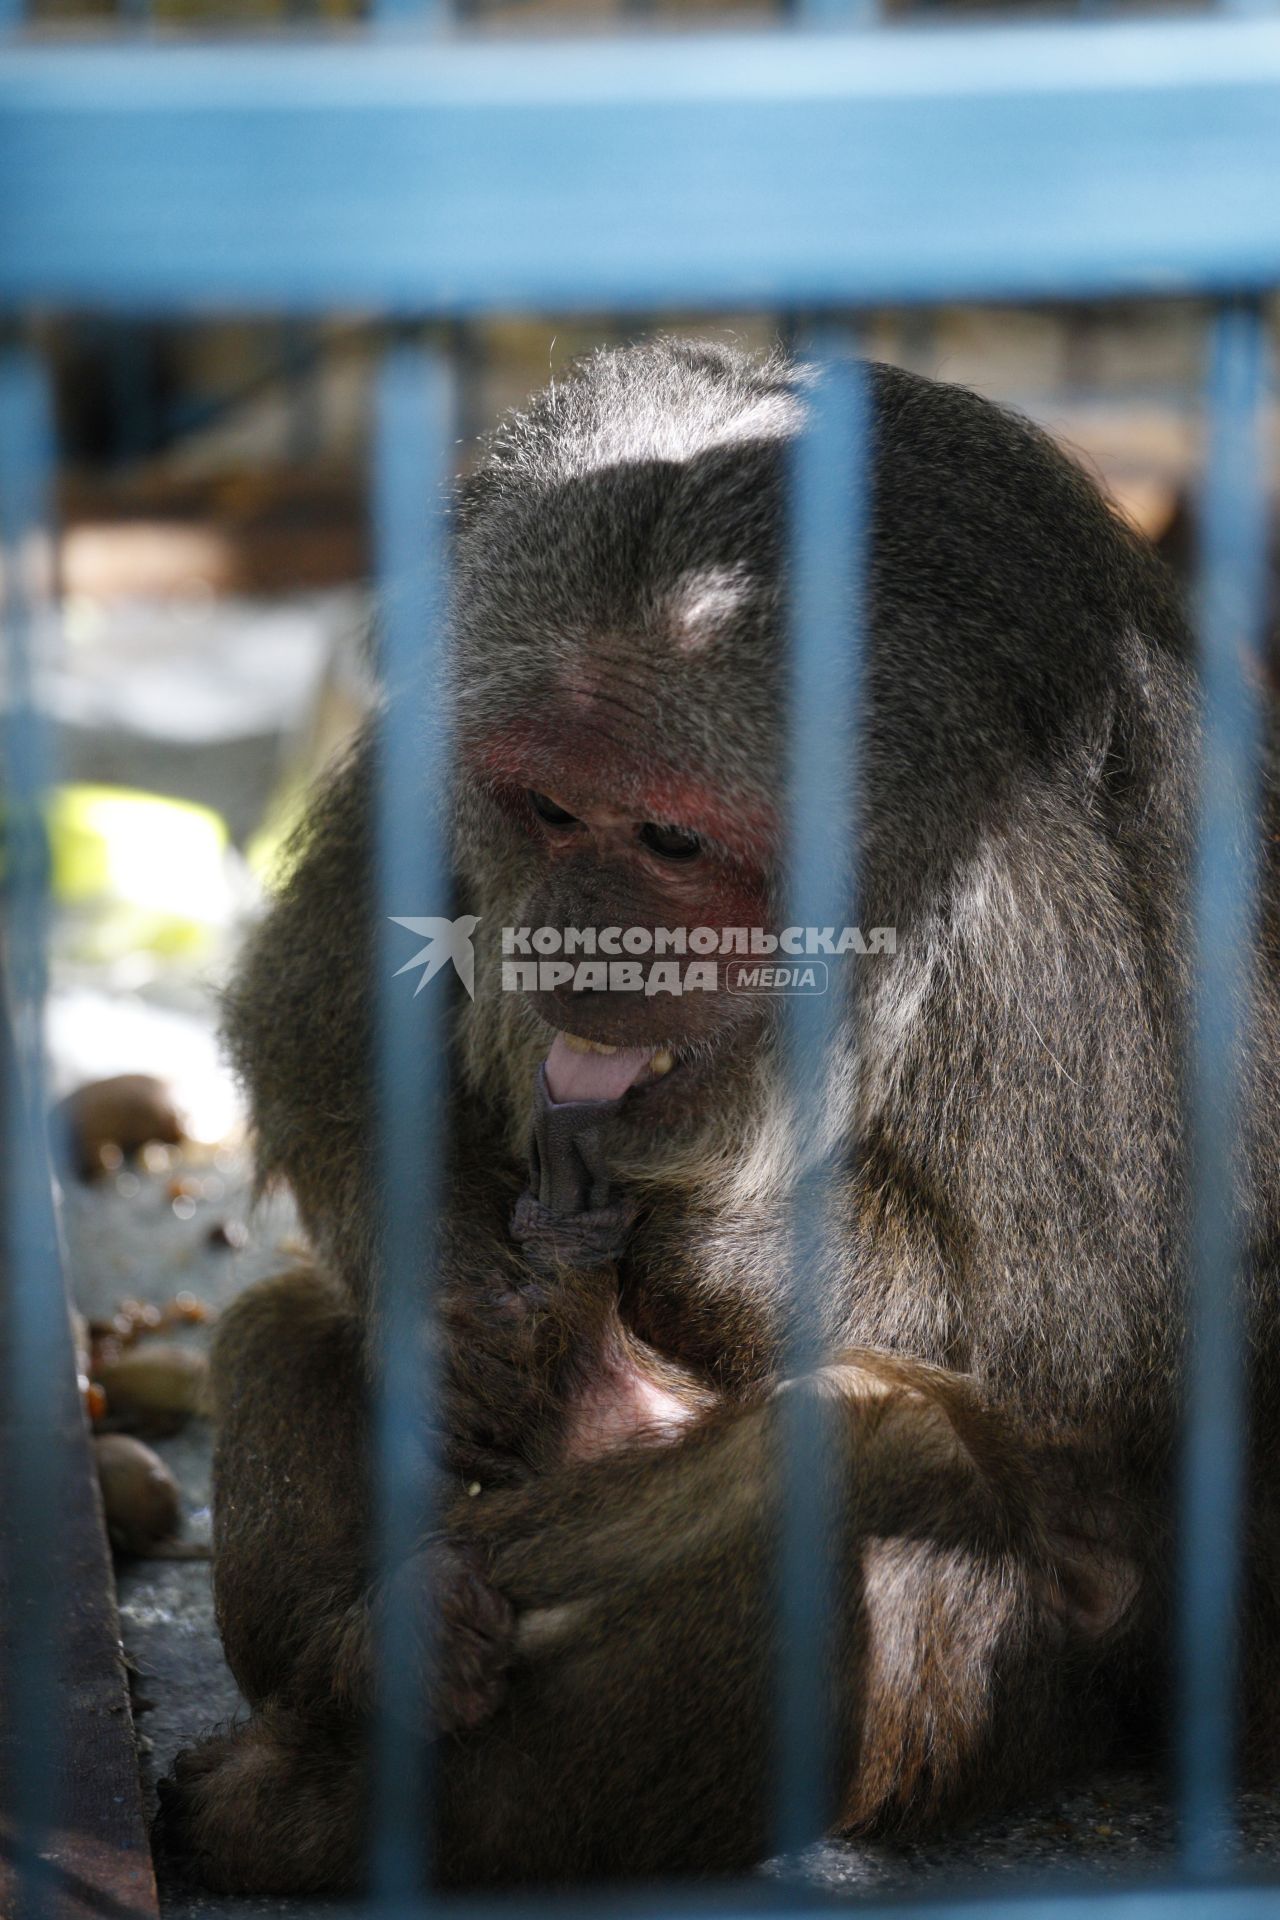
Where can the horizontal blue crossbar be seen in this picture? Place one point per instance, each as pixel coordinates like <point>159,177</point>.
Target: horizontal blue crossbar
<point>783,168</point>
<point>1081,1898</point>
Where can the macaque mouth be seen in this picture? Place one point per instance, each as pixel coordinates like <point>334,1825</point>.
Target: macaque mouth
<point>580,1069</point>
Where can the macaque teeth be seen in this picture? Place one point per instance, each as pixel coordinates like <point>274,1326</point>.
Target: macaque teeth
<point>576,1044</point>
<point>662,1062</point>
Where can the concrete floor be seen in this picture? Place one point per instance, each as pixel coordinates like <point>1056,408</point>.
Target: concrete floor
<point>125,1238</point>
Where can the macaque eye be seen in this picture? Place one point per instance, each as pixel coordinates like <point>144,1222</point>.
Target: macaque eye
<point>672,843</point>
<point>548,810</point>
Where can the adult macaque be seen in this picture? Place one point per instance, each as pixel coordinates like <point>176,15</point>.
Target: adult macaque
<point>1004,1314</point>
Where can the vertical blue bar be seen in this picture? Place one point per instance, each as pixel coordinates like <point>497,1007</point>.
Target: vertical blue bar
<point>1232,587</point>
<point>35,1302</point>
<point>413,466</point>
<point>829,502</point>
<point>13,15</point>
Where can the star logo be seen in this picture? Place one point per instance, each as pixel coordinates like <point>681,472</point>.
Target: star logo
<point>447,940</point>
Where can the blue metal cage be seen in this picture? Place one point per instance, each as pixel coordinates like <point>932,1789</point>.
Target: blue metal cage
<point>819,167</point>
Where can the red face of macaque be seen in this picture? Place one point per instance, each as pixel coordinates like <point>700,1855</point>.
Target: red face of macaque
<point>636,850</point>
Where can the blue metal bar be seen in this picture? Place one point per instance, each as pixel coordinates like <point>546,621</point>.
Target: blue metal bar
<point>1231,615</point>
<point>777,170</point>
<point>412,468</point>
<point>35,1303</point>
<point>1084,1896</point>
<point>828,528</point>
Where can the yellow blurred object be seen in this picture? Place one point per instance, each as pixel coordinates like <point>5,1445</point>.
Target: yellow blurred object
<point>144,871</point>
